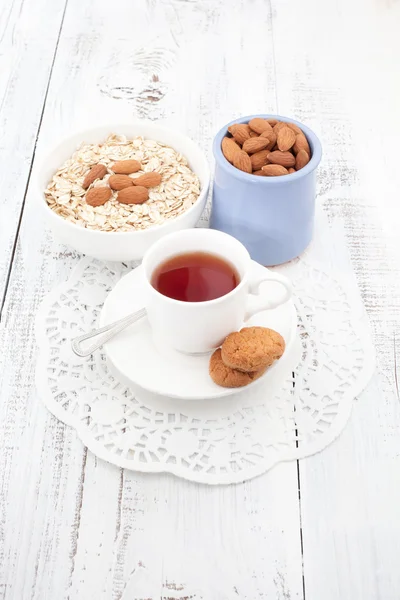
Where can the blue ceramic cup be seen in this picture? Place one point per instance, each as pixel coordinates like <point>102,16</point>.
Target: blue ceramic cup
<point>273,217</point>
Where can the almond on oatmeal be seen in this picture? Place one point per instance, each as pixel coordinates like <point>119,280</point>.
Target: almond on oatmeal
<point>148,180</point>
<point>126,167</point>
<point>119,182</point>
<point>96,172</point>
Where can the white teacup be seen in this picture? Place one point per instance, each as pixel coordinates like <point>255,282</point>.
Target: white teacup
<point>200,327</point>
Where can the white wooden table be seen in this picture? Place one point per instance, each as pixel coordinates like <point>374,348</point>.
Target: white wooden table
<point>74,527</point>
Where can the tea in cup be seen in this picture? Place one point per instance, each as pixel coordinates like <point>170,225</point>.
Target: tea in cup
<point>199,289</point>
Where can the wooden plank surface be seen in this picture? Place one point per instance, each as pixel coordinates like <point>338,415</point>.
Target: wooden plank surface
<point>342,82</point>
<point>29,31</point>
<point>75,527</point>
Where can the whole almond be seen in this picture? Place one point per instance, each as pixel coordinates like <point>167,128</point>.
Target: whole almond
<point>294,127</point>
<point>260,172</point>
<point>126,167</point>
<point>136,194</point>
<point>229,148</point>
<point>96,172</point>
<point>271,138</point>
<point>285,159</point>
<point>148,180</point>
<point>119,182</point>
<point>242,161</point>
<point>291,170</point>
<point>259,125</point>
<point>259,159</point>
<point>255,145</point>
<point>97,196</point>
<point>285,138</point>
<point>302,159</point>
<point>274,170</point>
<point>301,143</point>
<point>278,125</point>
<point>240,131</point>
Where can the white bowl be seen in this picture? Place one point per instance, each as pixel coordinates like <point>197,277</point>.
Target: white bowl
<point>128,245</point>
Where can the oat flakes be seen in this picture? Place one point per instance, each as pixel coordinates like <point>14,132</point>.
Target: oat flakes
<point>178,190</point>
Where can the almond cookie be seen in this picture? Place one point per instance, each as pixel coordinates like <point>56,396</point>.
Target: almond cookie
<point>230,378</point>
<point>252,348</point>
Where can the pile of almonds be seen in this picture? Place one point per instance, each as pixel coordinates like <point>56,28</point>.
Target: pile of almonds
<point>130,191</point>
<point>266,147</point>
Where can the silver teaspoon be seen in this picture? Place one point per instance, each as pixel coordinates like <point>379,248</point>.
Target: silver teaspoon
<point>103,334</point>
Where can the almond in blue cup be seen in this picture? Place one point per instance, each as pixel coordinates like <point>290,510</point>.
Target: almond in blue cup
<point>273,217</point>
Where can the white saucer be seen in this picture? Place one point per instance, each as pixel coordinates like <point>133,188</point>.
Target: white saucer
<point>136,357</point>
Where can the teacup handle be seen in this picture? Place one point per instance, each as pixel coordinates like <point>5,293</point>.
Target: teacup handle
<point>256,303</point>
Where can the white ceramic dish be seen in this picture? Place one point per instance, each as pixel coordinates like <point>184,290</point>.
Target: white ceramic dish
<point>160,370</point>
<point>120,246</point>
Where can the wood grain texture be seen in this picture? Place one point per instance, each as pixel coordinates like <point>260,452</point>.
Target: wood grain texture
<point>75,527</point>
<point>29,31</point>
<point>350,492</point>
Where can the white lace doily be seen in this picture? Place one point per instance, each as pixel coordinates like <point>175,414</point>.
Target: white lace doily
<point>218,441</point>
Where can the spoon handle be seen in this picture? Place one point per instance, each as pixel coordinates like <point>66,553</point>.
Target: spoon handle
<point>103,334</point>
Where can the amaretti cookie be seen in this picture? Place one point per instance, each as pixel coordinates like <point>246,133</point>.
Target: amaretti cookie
<point>227,377</point>
<point>252,349</point>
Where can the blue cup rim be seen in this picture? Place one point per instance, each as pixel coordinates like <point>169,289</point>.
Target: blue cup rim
<point>315,144</point>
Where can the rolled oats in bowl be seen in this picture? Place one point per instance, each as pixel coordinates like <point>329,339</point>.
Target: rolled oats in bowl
<point>178,191</point>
